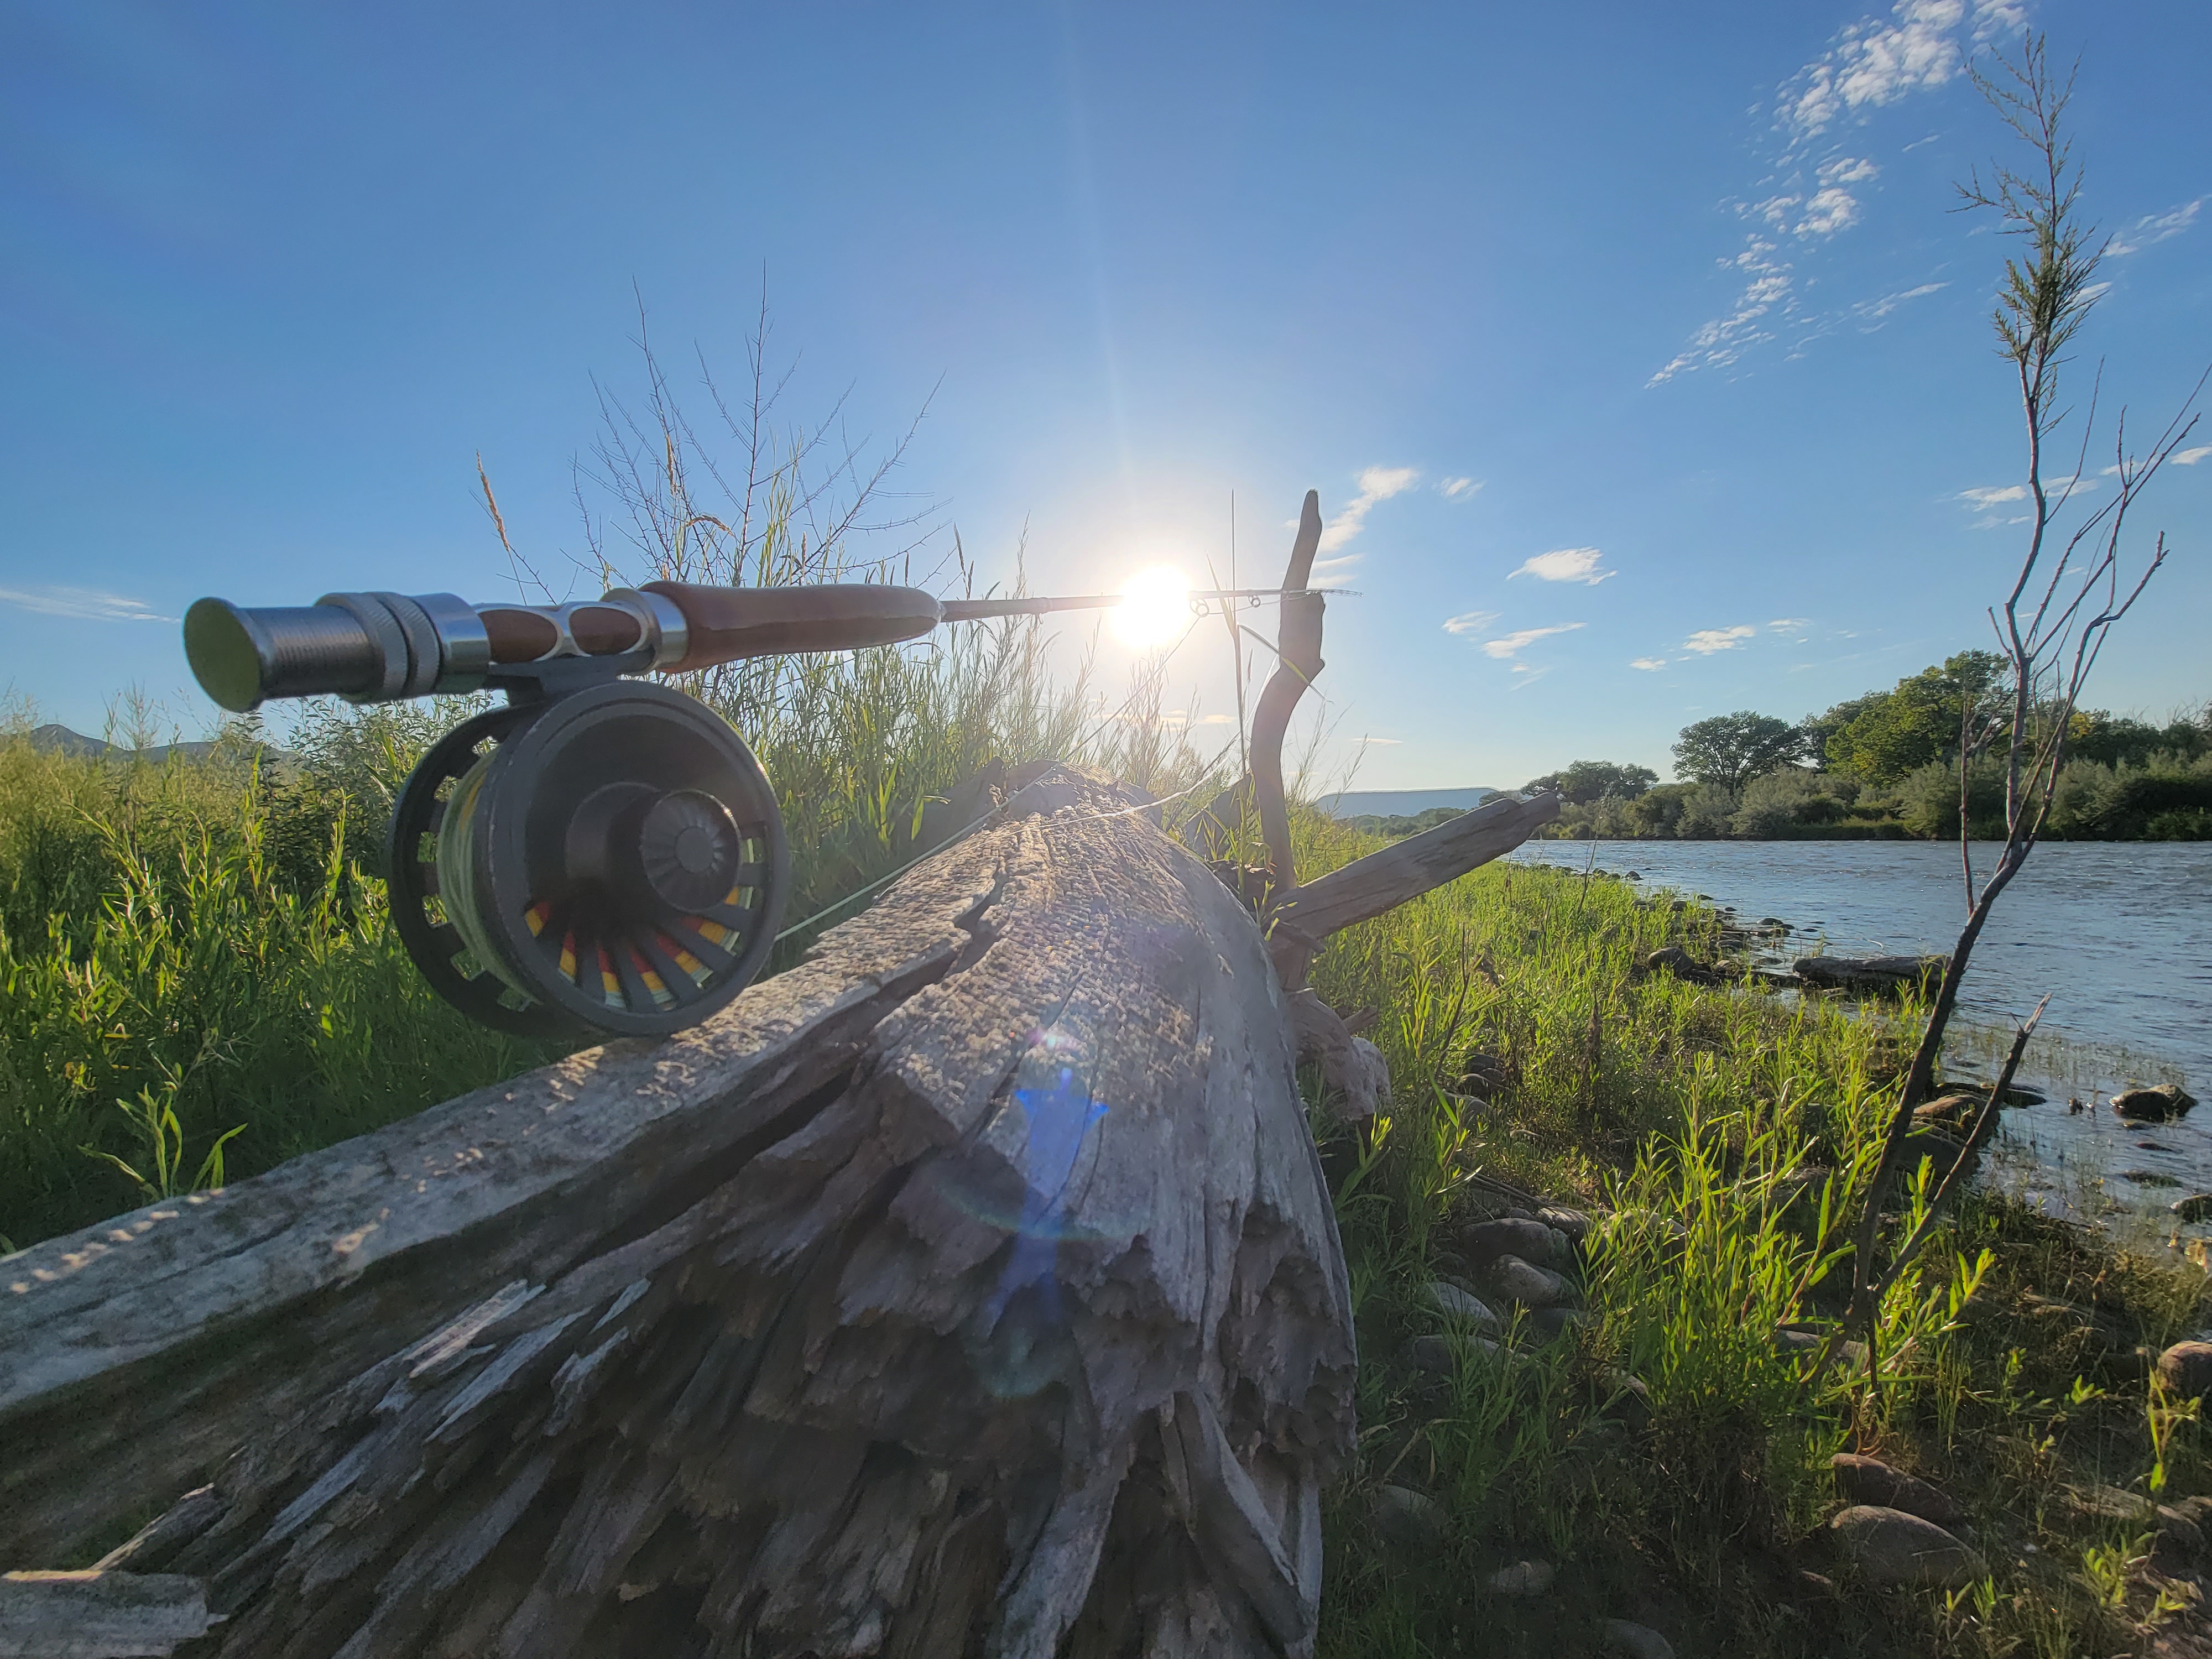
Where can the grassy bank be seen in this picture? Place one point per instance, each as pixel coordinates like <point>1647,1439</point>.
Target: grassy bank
<point>208,943</point>
<point>1722,1134</point>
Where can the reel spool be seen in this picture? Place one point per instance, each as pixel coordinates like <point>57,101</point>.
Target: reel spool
<point>611,859</point>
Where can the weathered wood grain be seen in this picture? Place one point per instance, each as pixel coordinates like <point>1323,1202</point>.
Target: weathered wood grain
<point>97,1614</point>
<point>1367,887</point>
<point>895,1310</point>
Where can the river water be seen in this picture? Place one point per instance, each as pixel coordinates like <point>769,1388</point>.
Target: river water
<point>2119,934</point>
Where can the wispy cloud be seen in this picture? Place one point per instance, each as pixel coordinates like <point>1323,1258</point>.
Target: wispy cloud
<point>1648,665</point>
<point>1458,490</point>
<point>1706,641</point>
<point>1989,494</point>
<point>81,604</point>
<point>1565,564</point>
<point>1470,622</point>
<point>1877,311</point>
<point>2190,457</point>
<point>1509,645</point>
<point>1331,573</point>
<point>1919,45</point>
<point>1385,742</point>
<point>1789,625</point>
<point>1376,483</point>
<point>2154,229</point>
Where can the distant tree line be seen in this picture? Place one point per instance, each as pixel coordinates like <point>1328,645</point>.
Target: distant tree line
<point>1886,764</point>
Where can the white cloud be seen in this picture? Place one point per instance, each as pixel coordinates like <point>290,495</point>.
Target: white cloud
<point>1471,622</point>
<point>80,604</point>
<point>1649,664</point>
<point>1376,483</point>
<point>1920,44</point>
<point>1565,564</point>
<point>2154,229</point>
<point>1877,61</point>
<point>1706,641</point>
<point>1453,490</point>
<point>1511,644</point>
<point>1217,720</point>
<point>2190,457</point>
<point>1331,573</point>
<point>1789,625</point>
<point>1989,494</point>
<point>1829,211</point>
<point>1874,311</point>
<point>1385,743</point>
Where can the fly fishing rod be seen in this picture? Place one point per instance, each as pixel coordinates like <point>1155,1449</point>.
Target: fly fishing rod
<point>603,852</point>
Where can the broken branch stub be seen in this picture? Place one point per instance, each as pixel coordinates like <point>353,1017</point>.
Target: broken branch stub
<point>972,1288</point>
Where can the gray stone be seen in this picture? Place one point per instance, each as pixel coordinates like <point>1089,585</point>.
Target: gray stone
<point>1411,1518</point>
<point>1550,1324</point>
<point>1531,1240</point>
<point>1455,1303</point>
<point>1526,1283</point>
<point>2194,1207</point>
<point>1673,960</point>
<point>1889,1546</point>
<point>1635,1641</point>
<point>2186,1369</point>
<point>2158,1105</point>
<point>1624,1398</point>
<point>1574,1225</point>
<point>1795,1341</point>
<point>1439,1355</point>
<point>1870,1480</point>
<point>1531,1577</point>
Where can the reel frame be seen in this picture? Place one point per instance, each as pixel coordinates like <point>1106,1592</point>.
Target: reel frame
<point>538,863</point>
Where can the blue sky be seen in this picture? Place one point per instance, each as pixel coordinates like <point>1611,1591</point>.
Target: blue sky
<point>1641,366</point>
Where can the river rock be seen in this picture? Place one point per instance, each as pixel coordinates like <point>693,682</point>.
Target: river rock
<point>1439,1356</point>
<point>1455,1303</point>
<point>1526,1283</point>
<point>1870,1480</point>
<point>1673,960</point>
<point>2149,1178</point>
<point>1941,1150</point>
<point>1889,1546</point>
<point>1634,1641</point>
<point>1531,1577</point>
<point>1880,975</point>
<point>2186,1369</point>
<point>1482,1074</point>
<point>2158,1105</point>
<point>2194,1207</point>
<point>1572,1225</point>
<point>1412,1518</point>
<point>1624,1398</point>
<point>1531,1240</point>
<point>1959,1108</point>
<point>1550,1324</point>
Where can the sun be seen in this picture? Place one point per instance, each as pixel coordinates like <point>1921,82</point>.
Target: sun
<point>1155,608</point>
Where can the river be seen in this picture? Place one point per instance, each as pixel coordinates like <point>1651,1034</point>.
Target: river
<point>2118,932</point>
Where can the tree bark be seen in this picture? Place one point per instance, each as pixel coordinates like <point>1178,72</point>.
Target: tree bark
<point>971,1288</point>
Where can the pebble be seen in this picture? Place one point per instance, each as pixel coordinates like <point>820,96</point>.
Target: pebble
<point>1870,1480</point>
<point>1889,1546</point>
<point>1531,1577</point>
<point>1636,1641</point>
<point>1455,1303</point>
<point>2186,1369</point>
<point>1526,1283</point>
<point>1408,1517</point>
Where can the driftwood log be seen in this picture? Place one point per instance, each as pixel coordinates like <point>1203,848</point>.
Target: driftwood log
<point>971,1288</point>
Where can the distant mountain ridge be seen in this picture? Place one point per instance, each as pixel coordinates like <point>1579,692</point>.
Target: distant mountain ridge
<point>60,738</point>
<point>1400,803</point>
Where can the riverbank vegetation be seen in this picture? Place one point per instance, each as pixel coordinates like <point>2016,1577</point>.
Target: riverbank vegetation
<point>1881,767</point>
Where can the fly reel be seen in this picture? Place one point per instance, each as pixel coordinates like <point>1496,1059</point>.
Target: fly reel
<point>612,858</point>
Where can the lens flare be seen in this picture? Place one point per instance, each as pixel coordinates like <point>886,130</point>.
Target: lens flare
<point>1155,608</point>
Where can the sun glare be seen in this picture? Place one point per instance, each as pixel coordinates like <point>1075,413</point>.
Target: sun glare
<point>1155,608</point>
